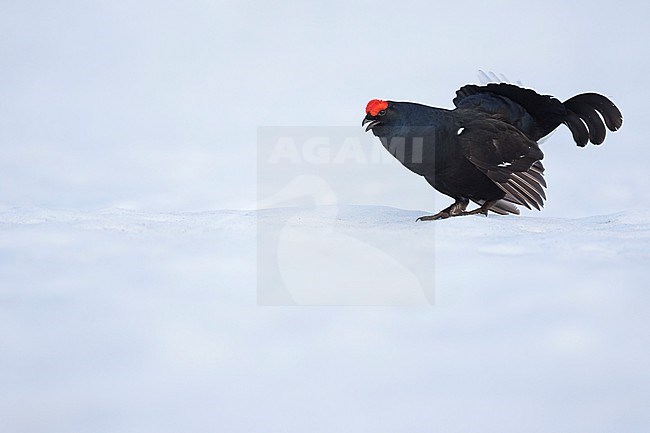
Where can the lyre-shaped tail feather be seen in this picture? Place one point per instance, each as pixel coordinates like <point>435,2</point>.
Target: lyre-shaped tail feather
<point>585,115</point>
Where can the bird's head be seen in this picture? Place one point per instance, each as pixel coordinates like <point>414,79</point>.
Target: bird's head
<point>378,112</point>
<point>392,118</point>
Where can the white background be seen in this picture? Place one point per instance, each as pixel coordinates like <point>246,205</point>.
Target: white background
<point>155,105</point>
<point>128,290</point>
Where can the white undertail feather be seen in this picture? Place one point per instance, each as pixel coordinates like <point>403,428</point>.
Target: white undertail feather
<point>491,77</point>
<point>501,207</point>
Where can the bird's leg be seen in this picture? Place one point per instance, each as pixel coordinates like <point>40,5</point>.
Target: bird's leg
<point>485,207</point>
<point>456,208</point>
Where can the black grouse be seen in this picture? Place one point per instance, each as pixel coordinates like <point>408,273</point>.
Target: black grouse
<point>485,150</point>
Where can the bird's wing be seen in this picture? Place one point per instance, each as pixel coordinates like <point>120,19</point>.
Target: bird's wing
<point>534,114</point>
<point>508,158</point>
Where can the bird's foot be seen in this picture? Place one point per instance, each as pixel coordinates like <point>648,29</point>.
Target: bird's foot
<point>457,208</point>
<point>439,216</point>
<point>483,210</point>
<point>478,211</point>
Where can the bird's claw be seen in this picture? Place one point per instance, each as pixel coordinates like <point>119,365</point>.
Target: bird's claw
<point>445,214</point>
<point>438,216</point>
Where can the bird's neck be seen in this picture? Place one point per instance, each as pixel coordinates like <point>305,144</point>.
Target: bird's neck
<point>431,121</point>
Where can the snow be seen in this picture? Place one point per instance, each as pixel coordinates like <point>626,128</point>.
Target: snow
<point>132,301</point>
<point>126,321</point>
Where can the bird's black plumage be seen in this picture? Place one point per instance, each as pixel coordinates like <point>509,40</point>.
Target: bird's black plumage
<point>485,150</point>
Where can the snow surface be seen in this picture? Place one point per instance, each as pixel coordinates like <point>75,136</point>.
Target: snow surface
<point>148,316</point>
<point>125,321</point>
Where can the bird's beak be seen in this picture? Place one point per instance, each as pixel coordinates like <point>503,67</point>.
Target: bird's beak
<point>371,123</point>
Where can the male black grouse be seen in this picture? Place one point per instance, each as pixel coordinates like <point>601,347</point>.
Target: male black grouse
<point>485,150</point>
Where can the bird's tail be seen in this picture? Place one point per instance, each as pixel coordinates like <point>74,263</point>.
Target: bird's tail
<point>585,114</point>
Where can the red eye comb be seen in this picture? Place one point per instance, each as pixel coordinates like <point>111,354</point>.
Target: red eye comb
<point>375,106</point>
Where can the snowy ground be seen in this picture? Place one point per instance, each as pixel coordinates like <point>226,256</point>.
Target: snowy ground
<point>151,316</point>
<point>124,321</point>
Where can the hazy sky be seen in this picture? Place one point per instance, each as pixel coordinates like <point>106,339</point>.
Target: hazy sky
<point>155,105</point>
